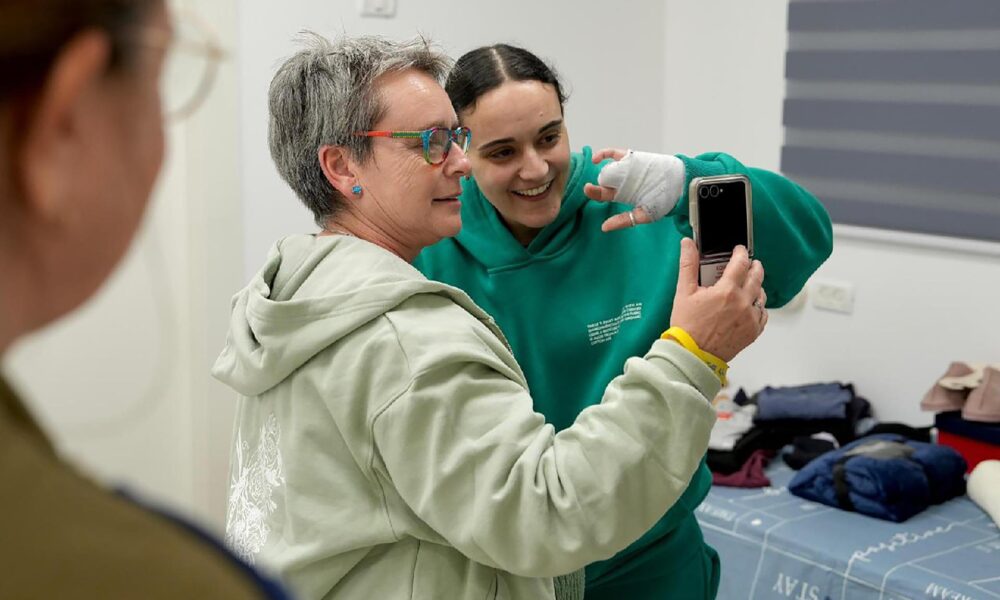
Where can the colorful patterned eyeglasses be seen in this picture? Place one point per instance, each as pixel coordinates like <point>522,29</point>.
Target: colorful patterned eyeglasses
<point>437,140</point>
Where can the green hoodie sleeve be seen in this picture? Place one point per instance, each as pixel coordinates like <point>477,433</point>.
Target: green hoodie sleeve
<point>467,453</point>
<point>792,232</point>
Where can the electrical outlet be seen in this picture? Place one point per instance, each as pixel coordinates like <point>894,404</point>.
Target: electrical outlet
<point>378,8</point>
<point>837,296</point>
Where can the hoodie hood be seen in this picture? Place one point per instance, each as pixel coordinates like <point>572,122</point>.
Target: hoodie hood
<point>485,236</point>
<point>311,292</point>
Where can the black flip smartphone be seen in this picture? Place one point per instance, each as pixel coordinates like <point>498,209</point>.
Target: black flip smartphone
<point>722,218</point>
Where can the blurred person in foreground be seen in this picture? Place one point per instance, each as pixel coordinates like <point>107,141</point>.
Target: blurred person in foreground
<point>386,442</point>
<point>81,143</point>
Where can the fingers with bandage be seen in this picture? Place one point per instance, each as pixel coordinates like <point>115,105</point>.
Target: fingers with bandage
<point>652,183</point>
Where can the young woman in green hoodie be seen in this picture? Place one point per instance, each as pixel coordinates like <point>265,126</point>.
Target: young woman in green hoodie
<point>575,301</point>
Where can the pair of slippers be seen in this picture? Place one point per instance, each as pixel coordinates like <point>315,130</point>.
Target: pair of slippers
<point>973,388</point>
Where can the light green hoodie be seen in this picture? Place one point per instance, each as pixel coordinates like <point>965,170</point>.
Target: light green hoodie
<point>386,445</point>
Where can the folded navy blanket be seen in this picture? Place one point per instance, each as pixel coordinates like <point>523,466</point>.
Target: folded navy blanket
<point>813,401</point>
<point>886,476</point>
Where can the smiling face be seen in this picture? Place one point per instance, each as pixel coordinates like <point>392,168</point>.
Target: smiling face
<point>412,203</point>
<point>520,154</point>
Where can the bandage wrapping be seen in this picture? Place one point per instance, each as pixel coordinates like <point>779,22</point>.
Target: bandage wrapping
<point>652,182</point>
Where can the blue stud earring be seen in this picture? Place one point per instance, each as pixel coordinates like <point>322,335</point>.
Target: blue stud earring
<point>357,190</point>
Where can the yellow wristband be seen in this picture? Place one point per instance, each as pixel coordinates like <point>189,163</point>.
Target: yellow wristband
<point>716,364</point>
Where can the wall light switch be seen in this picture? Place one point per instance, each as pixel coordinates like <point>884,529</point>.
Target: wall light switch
<point>378,8</point>
<point>837,296</point>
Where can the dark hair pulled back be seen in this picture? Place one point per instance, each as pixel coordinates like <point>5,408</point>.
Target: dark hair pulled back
<point>486,68</point>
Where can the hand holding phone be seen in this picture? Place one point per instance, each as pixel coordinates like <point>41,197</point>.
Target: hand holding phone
<point>724,318</point>
<point>722,218</point>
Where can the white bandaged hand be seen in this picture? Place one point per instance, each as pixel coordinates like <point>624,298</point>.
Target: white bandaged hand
<point>652,182</point>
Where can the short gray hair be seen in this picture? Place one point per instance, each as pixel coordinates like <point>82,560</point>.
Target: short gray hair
<point>323,94</point>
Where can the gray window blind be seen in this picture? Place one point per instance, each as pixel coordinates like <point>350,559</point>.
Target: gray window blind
<point>892,112</point>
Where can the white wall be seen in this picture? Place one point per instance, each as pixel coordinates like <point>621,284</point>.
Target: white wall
<point>610,57</point>
<point>920,301</point>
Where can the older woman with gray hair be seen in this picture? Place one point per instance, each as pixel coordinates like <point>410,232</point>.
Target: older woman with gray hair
<point>386,445</point>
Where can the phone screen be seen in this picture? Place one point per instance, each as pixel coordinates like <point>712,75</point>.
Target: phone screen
<point>722,217</point>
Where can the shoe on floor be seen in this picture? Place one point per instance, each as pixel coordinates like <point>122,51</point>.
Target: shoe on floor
<point>967,376</point>
<point>983,403</point>
<point>942,399</point>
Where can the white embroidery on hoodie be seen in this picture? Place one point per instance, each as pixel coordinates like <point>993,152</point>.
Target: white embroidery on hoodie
<point>256,477</point>
<point>606,330</point>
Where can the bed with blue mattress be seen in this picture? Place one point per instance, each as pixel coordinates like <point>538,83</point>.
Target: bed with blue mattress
<point>774,545</point>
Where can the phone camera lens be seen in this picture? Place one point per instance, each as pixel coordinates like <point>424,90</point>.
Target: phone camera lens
<point>714,191</point>
<point>703,192</point>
